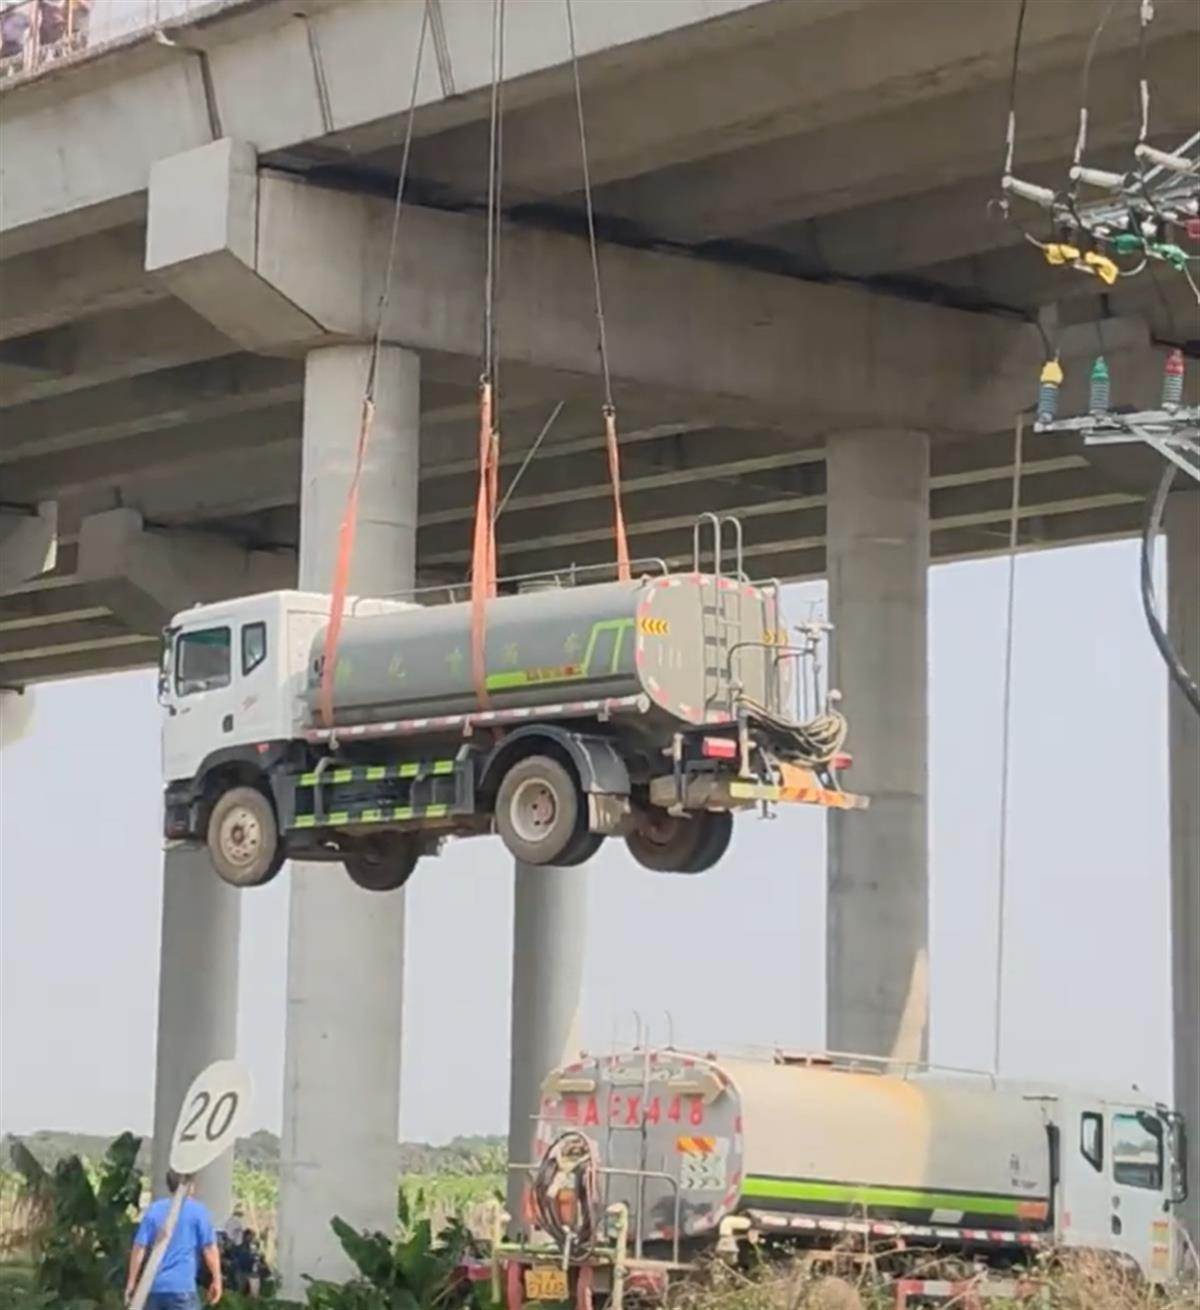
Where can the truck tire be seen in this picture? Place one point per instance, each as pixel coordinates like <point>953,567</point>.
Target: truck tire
<point>384,862</point>
<point>243,838</point>
<point>668,843</point>
<point>538,811</point>
<point>718,833</point>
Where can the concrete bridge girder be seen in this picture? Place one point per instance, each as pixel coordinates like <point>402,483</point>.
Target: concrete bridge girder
<point>307,264</point>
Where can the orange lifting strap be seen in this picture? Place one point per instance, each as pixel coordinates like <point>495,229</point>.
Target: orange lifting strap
<point>483,552</point>
<point>614,473</point>
<point>341,569</point>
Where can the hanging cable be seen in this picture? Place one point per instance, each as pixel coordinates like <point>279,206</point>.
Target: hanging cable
<point>1175,666</point>
<point>609,412</point>
<point>483,546</point>
<point>1010,139</point>
<point>1014,523</point>
<point>349,524</point>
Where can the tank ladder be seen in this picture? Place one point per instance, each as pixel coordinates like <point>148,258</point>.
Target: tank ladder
<point>716,621</point>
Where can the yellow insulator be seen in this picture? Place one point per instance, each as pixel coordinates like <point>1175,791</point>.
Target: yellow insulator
<point>1102,266</point>
<point>1057,252</point>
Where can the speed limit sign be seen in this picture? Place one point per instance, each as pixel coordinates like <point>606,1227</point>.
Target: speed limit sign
<point>213,1113</point>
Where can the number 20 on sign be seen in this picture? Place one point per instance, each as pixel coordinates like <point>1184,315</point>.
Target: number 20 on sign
<point>213,1113</point>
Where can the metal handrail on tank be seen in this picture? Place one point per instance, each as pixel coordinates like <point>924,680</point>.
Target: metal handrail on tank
<point>641,1176</point>
<point>644,565</point>
<point>718,543</point>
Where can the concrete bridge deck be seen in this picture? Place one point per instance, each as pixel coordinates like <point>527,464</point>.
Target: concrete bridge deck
<point>793,199</point>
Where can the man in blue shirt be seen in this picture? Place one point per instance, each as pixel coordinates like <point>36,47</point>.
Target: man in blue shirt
<point>174,1286</point>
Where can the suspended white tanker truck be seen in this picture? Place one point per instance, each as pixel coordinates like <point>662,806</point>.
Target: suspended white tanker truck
<point>652,709</point>
<point>702,1155</point>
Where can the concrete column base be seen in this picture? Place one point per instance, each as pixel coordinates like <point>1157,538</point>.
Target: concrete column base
<point>341,1094</point>
<point>197,1004</point>
<point>549,932</point>
<point>877,964</point>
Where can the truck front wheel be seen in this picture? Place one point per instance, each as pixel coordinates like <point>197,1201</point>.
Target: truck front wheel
<point>539,814</point>
<point>243,838</point>
<point>384,862</point>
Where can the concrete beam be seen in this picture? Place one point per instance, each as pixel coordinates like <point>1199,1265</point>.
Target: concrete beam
<point>124,344</point>
<point>334,79</point>
<point>101,272</point>
<point>132,654</point>
<point>28,543</point>
<point>821,71</point>
<point>151,454</point>
<point>778,345</point>
<point>148,576</point>
<point>930,142</point>
<point>190,394</point>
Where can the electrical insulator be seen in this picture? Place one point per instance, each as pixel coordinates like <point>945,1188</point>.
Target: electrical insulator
<point>1172,391</point>
<point>1049,383</point>
<point>1099,387</point>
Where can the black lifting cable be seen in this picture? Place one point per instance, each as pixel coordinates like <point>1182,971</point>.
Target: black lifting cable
<point>1175,666</point>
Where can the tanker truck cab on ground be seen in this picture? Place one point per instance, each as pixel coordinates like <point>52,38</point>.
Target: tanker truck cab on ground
<point>807,1155</point>
<point>652,710</point>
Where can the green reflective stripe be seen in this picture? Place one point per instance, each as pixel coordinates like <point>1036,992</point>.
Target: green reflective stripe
<point>305,821</point>
<point>378,772</point>
<point>402,812</point>
<point>338,816</point>
<point>786,1189</point>
<point>371,816</point>
<point>436,811</point>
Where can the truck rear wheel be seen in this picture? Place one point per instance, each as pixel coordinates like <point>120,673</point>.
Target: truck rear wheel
<point>384,862</point>
<point>669,843</point>
<point>538,811</point>
<point>243,838</point>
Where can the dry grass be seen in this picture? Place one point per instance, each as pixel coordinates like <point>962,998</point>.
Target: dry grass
<point>1075,1283</point>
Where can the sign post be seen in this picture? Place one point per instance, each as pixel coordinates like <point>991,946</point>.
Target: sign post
<point>210,1119</point>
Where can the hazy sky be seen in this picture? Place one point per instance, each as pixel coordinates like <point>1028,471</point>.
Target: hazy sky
<point>735,956</point>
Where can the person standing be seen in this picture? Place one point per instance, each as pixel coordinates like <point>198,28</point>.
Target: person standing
<point>193,1241</point>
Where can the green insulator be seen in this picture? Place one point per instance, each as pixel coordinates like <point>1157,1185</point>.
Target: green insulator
<point>1099,387</point>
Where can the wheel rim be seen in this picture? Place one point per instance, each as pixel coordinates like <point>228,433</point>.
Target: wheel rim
<point>662,831</point>
<point>241,837</point>
<point>534,810</point>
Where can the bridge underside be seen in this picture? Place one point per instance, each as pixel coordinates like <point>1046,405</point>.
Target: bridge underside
<point>765,144</point>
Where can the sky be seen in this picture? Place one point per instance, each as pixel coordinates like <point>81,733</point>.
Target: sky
<point>731,959</point>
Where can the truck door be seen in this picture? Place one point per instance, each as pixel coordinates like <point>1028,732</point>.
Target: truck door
<point>1140,1221</point>
<point>201,697</point>
<point>255,714</point>
<point>1084,1197</point>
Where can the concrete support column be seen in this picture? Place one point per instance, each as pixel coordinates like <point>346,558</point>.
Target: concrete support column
<point>877,932</point>
<point>549,929</point>
<point>197,1004</point>
<point>341,1096</point>
<point>1183,627</point>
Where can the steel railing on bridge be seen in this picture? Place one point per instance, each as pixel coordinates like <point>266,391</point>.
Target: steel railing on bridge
<point>37,33</point>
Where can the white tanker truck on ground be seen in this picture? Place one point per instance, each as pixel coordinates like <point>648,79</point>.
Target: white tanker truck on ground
<point>651,709</point>
<point>646,1163</point>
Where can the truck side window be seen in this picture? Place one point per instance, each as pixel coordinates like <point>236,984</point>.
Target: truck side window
<point>203,661</point>
<point>1091,1139</point>
<point>1137,1151</point>
<point>254,646</point>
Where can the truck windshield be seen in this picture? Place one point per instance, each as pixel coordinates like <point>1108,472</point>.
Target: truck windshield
<point>202,661</point>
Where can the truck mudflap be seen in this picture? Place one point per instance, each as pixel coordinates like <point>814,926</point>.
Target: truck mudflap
<point>412,791</point>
